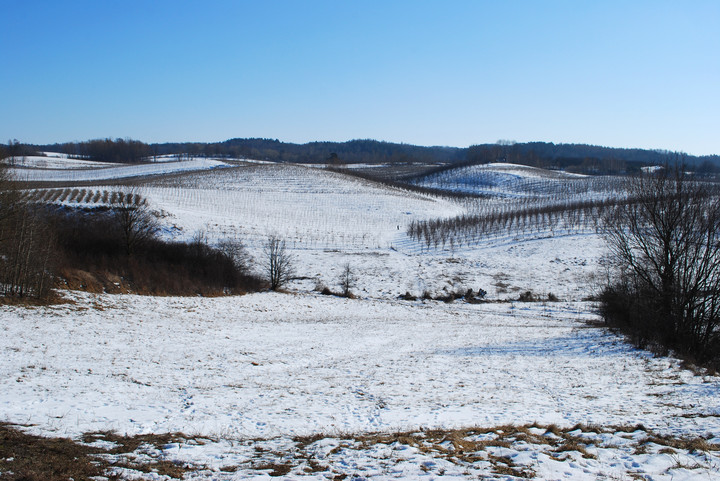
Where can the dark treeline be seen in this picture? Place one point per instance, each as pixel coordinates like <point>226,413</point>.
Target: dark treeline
<point>564,152</point>
<point>104,150</point>
<point>15,149</point>
<point>574,157</point>
<point>583,158</point>
<point>351,152</point>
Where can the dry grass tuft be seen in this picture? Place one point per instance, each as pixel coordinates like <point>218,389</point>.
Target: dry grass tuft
<point>574,445</point>
<point>275,469</point>
<point>506,467</point>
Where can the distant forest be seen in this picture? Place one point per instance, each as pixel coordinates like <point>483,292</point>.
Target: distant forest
<point>572,157</point>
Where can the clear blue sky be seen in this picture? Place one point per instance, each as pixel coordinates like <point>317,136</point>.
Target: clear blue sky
<point>617,73</point>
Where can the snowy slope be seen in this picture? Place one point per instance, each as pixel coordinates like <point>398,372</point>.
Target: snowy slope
<point>266,365</point>
<point>331,219</point>
<point>53,161</point>
<point>513,180</point>
<point>79,172</point>
<point>311,208</point>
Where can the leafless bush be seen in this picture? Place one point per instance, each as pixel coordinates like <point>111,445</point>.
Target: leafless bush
<point>91,249</point>
<point>235,250</point>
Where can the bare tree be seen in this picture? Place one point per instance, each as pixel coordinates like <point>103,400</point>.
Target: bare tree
<point>666,243</point>
<point>27,254</point>
<point>236,251</point>
<point>9,195</point>
<point>278,262</point>
<point>26,244</point>
<point>136,221</point>
<point>347,280</point>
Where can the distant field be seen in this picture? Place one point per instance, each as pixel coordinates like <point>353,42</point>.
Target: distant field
<point>330,219</point>
<point>38,169</point>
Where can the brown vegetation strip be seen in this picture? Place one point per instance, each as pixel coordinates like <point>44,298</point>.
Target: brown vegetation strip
<point>28,457</point>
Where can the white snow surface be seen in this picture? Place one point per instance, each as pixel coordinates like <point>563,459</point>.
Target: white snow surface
<point>79,173</point>
<point>53,161</point>
<point>330,219</point>
<point>275,366</point>
<point>266,365</point>
<point>527,171</point>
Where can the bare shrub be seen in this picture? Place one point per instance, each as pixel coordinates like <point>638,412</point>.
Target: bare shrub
<point>527,296</point>
<point>93,256</point>
<point>235,250</point>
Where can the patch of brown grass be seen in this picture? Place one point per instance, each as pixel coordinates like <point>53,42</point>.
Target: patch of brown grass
<point>25,457</point>
<point>506,467</point>
<point>574,445</point>
<point>53,298</point>
<point>32,458</point>
<point>687,444</point>
<point>275,469</point>
<point>129,444</point>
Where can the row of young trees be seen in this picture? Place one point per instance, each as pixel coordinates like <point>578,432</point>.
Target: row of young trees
<point>479,179</point>
<point>569,217</point>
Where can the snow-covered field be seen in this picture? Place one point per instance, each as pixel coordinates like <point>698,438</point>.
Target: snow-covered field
<point>278,366</point>
<point>293,383</point>
<point>40,169</point>
<point>53,161</point>
<point>521,182</point>
<point>311,208</point>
